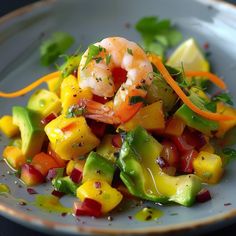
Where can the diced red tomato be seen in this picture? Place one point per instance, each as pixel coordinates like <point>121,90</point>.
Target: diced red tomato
<point>194,138</point>
<point>48,118</point>
<point>98,128</point>
<point>186,163</point>
<point>119,76</point>
<point>181,143</point>
<point>88,207</point>
<point>170,153</point>
<point>43,163</point>
<point>117,141</point>
<point>189,140</point>
<point>99,99</point>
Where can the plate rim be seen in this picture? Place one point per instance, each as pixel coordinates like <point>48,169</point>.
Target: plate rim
<point>23,218</point>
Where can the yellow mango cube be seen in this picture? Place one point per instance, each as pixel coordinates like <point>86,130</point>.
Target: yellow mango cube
<point>101,192</point>
<point>70,138</point>
<point>208,167</point>
<point>14,157</point>
<point>150,117</point>
<point>7,126</point>
<point>225,125</point>
<point>71,93</point>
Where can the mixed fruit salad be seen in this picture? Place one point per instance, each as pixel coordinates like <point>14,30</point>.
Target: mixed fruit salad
<point>119,122</point>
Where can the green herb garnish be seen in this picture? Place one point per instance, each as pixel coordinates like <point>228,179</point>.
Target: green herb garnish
<point>53,47</point>
<point>158,35</point>
<point>230,152</point>
<point>130,51</point>
<point>75,111</point>
<point>93,51</point>
<point>223,97</point>
<point>108,59</point>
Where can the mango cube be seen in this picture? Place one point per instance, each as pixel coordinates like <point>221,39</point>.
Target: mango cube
<point>225,125</point>
<point>208,167</point>
<point>150,117</point>
<point>14,157</point>
<point>71,93</point>
<point>70,138</point>
<point>7,126</point>
<point>101,192</point>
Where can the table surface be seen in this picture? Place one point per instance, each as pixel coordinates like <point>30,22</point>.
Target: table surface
<point>9,228</point>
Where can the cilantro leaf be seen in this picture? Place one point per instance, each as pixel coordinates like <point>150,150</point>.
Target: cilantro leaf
<point>53,47</point>
<point>70,65</point>
<point>93,51</point>
<point>223,97</point>
<point>228,155</point>
<point>130,51</point>
<point>158,35</point>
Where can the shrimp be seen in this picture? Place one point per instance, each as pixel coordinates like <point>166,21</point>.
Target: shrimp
<point>97,75</point>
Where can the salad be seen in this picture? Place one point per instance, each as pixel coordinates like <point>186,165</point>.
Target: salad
<point>120,122</point>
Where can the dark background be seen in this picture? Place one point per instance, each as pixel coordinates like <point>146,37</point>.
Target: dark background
<point>9,228</point>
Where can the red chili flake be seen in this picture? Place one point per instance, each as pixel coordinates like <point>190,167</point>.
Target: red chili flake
<point>97,184</point>
<point>130,217</point>
<point>228,204</point>
<point>31,191</point>
<point>75,73</point>
<point>63,214</point>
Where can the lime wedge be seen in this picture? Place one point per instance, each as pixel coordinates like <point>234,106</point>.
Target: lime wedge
<point>190,55</point>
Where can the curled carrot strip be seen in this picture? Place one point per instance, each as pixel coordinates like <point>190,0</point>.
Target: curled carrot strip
<point>209,115</point>
<point>31,86</point>
<point>213,78</point>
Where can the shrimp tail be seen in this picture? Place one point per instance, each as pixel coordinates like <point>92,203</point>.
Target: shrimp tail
<point>99,112</point>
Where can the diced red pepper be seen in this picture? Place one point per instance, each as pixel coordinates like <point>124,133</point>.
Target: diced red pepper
<point>170,153</point>
<point>48,118</point>
<point>186,163</point>
<point>119,76</point>
<point>98,128</point>
<point>76,175</point>
<point>117,141</point>
<point>88,207</point>
<point>181,143</point>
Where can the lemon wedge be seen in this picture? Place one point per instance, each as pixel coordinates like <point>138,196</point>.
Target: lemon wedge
<point>190,55</point>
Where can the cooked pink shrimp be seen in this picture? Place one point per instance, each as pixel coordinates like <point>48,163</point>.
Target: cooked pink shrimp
<point>115,52</point>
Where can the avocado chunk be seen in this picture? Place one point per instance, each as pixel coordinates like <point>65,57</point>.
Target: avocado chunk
<point>65,185</point>
<point>32,133</point>
<point>44,102</point>
<point>145,179</point>
<point>98,168</point>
